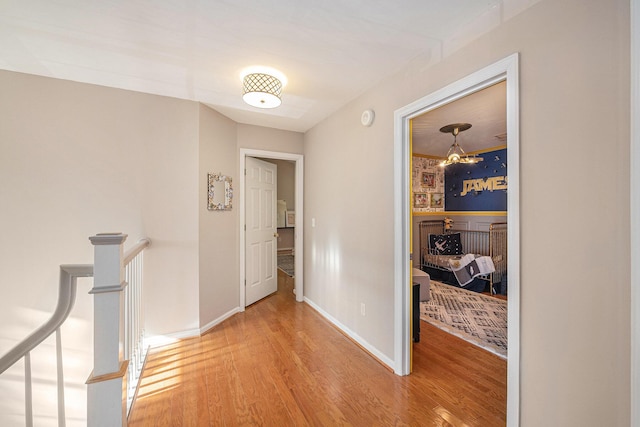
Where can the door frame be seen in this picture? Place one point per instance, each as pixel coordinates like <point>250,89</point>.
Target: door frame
<point>505,69</point>
<point>299,209</point>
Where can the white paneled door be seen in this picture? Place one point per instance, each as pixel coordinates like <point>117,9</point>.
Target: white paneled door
<point>261,232</point>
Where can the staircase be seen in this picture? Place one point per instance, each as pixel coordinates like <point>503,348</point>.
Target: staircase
<point>119,349</point>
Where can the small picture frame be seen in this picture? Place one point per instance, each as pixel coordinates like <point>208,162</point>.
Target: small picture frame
<point>437,200</point>
<point>219,192</point>
<point>290,219</point>
<point>420,200</point>
<point>428,179</point>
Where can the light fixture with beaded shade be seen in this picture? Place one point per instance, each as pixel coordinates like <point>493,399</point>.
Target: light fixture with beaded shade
<point>261,90</point>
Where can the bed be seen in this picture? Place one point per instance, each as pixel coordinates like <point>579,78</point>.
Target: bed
<point>439,245</point>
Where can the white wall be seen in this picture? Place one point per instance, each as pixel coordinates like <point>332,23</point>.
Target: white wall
<point>574,268</point>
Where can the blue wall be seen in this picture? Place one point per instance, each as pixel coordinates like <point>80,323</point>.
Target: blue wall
<point>478,187</point>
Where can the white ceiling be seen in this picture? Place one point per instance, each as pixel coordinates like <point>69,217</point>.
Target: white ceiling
<point>485,110</point>
<point>330,50</point>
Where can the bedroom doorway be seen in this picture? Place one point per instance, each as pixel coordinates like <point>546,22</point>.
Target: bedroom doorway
<point>505,70</point>
<point>298,160</point>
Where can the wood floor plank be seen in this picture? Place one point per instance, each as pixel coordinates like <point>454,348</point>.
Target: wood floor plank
<point>281,363</point>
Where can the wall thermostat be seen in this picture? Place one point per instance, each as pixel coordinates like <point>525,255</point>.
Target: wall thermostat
<point>367,117</point>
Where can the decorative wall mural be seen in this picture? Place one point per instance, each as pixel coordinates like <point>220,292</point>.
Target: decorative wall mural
<point>479,187</point>
<point>427,181</point>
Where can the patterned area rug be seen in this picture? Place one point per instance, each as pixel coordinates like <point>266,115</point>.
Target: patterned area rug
<point>476,318</point>
<point>285,263</point>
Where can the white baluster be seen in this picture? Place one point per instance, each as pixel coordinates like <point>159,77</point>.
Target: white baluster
<point>28,395</point>
<point>61,409</point>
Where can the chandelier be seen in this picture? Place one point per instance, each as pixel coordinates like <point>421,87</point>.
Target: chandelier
<point>456,154</point>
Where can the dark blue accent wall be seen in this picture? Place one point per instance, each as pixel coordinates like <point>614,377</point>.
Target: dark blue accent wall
<point>478,180</point>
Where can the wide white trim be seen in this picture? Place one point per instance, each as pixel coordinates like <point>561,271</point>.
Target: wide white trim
<point>216,322</point>
<point>299,208</point>
<point>506,68</point>
<point>634,176</point>
<point>156,341</point>
<point>162,340</point>
<point>348,332</point>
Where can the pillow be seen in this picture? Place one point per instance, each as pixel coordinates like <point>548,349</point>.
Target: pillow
<point>445,244</point>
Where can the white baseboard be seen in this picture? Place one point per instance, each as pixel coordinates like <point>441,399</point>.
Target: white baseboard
<point>348,332</point>
<point>161,340</point>
<point>219,320</point>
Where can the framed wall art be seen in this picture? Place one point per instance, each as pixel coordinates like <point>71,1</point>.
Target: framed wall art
<point>420,200</point>
<point>437,200</point>
<point>290,219</point>
<point>428,180</point>
<point>219,192</point>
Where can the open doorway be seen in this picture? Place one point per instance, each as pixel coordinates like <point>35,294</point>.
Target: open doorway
<point>459,217</point>
<point>504,70</point>
<point>297,225</point>
<point>285,222</point>
<point>286,217</point>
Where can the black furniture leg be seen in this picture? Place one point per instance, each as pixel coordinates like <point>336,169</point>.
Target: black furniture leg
<point>416,312</point>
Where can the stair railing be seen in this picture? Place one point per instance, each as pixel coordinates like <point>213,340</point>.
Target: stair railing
<point>66,297</point>
<point>135,348</point>
<point>118,323</point>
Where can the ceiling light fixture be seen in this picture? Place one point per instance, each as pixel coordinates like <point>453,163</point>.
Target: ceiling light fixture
<point>456,154</point>
<point>261,90</point>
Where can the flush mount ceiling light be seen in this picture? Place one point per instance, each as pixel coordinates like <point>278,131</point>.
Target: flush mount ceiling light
<point>456,154</point>
<point>261,88</point>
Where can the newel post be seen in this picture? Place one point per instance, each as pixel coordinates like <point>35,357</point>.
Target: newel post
<point>106,400</point>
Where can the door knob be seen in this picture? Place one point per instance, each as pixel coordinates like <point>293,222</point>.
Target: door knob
<point>276,235</point>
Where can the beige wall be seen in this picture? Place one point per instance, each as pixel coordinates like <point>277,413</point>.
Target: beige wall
<point>79,159</point>
<point>286,182</point>
<point>76,160</point>
<point>170,213</point>
<point>219,233</point>
<point>574,249</point>
<point>261,138</point>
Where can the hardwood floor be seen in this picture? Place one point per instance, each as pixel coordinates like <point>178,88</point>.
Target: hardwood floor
<point>281,364</point>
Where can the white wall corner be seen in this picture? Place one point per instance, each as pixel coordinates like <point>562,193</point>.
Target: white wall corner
<point>215,322</point>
